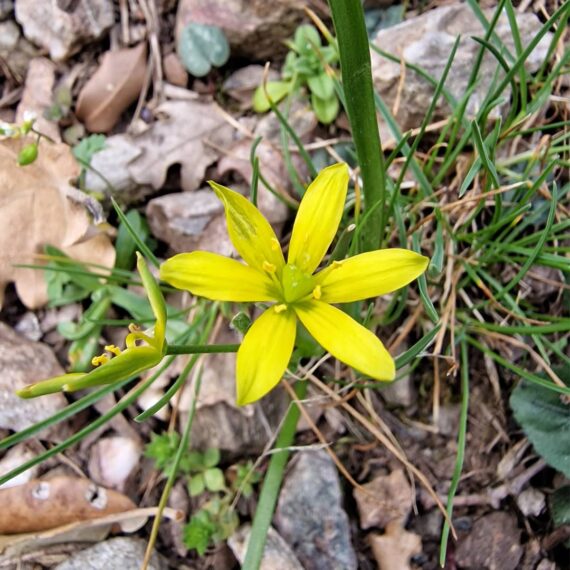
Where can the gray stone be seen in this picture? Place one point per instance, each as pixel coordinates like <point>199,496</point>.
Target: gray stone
<point>6,9</point>
<point>310,516</point>
<point>189,221</point>
<point>254,28</point>
<point>23,362</point>
<point>276,555</point>
<point>531,502</point>
<point>426,41</point>
<point>124,553</point>
<point>64,27</point>
<point>15,49</point>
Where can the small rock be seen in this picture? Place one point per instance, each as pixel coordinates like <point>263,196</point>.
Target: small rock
<point>448,419</point>
<point>241,84</point>
<point>15,49</point>
<point>174,71</point>
<point>23,362</point>
<point>310,516</point>
<point>394,549</point>
<point>276,555</point>
<point>546,565</point>
<point>218,421</point>
<point>494,543</point>
<point>254,28</point>
<point>64,27</point>
<point>15,457</point>
<point>188,221</point>
<point>113,461</point>
<point>426,41</point>
<point>385,499</point>
<point>29,326</point>
<point>531,502</point>
<point>400,393</point>
<point>6,9</point>
<point>124,553</point>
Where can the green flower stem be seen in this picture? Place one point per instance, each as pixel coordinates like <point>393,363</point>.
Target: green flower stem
<point>201,348</point>
<point>348,18</point>
<point>182,447</point>
<point>272,484</point>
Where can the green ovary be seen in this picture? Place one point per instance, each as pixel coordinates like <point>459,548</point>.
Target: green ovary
<point>295,284</point>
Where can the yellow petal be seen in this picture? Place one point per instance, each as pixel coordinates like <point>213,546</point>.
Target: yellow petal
<point>346,340</point>
<point>318,217</point>
<point>370,275</point>
<point>264,354</point>
<point>252,235</point>
<point>217,277</point>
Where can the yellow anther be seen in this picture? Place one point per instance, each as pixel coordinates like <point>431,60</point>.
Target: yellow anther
<point>280,308</point>
<point>317,292</point>
<point>269,267</point>
<point>98,360</point>
<point>336,264</point>
<point>134,328</point>
<point>113,349</point>
<point>275,245</point>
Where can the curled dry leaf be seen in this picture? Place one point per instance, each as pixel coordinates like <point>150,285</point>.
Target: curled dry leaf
<point>386,498</point>
<point>113,87</point>
<point>41,505</point>
<point>93,530</point>
<point>36,210</point>
<point>394,549</point>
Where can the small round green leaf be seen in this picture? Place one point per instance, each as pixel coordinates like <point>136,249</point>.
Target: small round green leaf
<point>326,110</point>
<point>276,90</point>
<point>214,479</point>
<point>321,85</point>
<point>211,457</point>
<point>201,46</point>
<point>197,485</point>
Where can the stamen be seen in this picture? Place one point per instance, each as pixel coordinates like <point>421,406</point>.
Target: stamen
<point>99,360</point>
<point>275,245</point>
<point>113,349</point>
<point>336,264</point>
<point>269,267</point>
<point>280,308</point>
<point>317,293</point>
<point>134,328</point>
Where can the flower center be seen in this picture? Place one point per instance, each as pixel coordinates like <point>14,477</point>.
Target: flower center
<point>296,284</point>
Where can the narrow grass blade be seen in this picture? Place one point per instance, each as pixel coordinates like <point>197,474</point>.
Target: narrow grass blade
<point>461,439</point>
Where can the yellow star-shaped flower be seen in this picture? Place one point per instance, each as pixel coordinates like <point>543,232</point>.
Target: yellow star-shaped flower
<point>293,286</point>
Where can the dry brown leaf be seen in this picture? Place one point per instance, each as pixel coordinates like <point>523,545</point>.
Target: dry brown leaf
<point>187,134</point>
<point>113,87</point>
<point>394,549</point>
<point>43,504</point>
<point>386,498</point>
<point>35,210</point>
<point>93,530</point>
